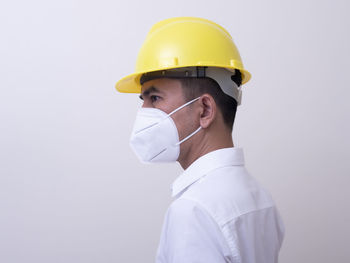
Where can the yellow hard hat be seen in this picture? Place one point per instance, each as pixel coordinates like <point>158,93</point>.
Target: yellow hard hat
<point>184,42</point>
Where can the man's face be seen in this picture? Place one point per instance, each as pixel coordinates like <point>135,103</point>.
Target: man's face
<point>167,95</point>
<point>164,94</point>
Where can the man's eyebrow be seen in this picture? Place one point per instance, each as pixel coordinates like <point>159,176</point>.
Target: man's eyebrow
<point>148,91</point>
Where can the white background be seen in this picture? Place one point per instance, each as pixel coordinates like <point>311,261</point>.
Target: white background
<point>72,191</point>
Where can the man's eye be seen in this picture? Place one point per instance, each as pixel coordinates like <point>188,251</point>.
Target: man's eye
<point>154,98</point>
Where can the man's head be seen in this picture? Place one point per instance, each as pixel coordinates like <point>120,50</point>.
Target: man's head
<point>205,52</point>
<point>214,111</point>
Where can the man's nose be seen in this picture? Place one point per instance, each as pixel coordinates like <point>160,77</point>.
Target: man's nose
<point>146,104</point>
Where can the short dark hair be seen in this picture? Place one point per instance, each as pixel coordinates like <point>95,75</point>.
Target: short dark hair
<point>195,87</point>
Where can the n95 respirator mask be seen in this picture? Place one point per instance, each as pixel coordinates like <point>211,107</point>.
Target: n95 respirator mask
<point>155,137</point>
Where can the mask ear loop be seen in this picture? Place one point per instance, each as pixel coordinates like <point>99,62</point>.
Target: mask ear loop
<point>179,108</point>
<point>193,133</point>
<point>189,136</point>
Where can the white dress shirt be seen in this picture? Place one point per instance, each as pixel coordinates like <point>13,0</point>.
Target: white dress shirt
<point>220,214</point>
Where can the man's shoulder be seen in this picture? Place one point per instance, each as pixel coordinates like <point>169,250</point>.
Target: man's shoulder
<point>227,193</point>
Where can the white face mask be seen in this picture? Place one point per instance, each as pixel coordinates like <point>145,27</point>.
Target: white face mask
<point>155,137</point>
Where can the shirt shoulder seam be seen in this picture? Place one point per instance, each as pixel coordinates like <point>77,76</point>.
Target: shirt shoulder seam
<point>246,213</point>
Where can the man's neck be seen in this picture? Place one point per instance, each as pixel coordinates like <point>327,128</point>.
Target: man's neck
<point>206,145</point>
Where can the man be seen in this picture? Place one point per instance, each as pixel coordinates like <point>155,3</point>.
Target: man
<point>189,75</point>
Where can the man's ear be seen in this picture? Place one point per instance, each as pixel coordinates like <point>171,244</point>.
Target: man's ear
<point>208,110</point>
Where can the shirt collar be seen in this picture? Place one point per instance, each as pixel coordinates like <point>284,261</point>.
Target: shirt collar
<point>205,164</point>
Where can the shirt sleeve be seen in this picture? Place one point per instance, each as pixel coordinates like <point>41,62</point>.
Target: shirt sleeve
<point>189,235</point>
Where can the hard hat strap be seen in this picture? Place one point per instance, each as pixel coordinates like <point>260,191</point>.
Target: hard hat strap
<point>201,72</point>
<point>192,72</point>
